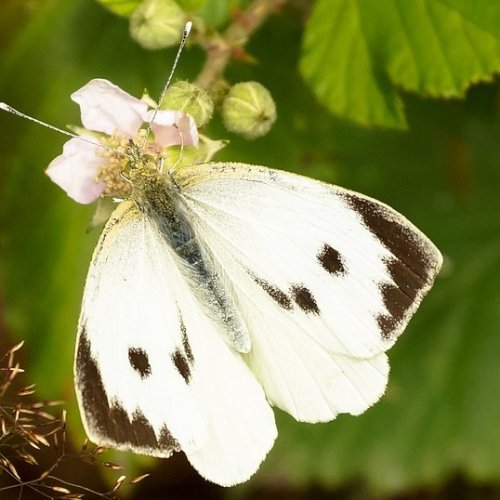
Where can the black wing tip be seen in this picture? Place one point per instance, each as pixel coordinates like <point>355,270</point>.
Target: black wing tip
<point>415,264</point>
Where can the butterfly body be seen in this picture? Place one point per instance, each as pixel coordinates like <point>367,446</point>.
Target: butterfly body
<point>159,199</point>
<point>220,289</point>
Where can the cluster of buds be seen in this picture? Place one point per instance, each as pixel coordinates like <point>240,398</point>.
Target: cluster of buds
<point>247,108</point>
<point>123,135</point>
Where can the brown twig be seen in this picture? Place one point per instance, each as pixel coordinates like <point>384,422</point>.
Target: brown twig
<point>220,48</point>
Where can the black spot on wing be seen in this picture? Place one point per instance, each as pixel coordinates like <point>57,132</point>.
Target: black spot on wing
<point>280,297</point>
<point>182,365</point>
<point>331,260</point>
<point>299,295</point>
<point>304,299</point>
<point>412,269</point>
<point>139,361</point>
<point>112,421</point>
<point>183,358</point>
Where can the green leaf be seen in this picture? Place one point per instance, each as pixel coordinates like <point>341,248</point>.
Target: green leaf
<point>356,53</point>
<point>120,7</point>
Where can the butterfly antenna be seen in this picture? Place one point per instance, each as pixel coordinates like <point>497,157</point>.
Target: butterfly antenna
<point>185,35</point>
<point>13,111</point>
<point>10,109</point>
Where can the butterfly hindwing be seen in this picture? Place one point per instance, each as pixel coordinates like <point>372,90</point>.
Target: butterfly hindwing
<point>325,280</point>
<point>153,374</point>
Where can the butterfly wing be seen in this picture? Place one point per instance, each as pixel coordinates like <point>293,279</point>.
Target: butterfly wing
<point>325,280</point>
<point>152,373</point>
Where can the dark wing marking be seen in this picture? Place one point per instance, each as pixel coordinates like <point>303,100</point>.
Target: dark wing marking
<point>412,269</point>
<point>182,357</point>
<point>331,260</point>
<point>298,294</point>
<point>280,297</point>
<point>139,361</point>
<point>304,299</point>
<point>111,421</point>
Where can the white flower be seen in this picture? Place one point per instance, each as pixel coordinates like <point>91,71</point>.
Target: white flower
<point>118,116</point>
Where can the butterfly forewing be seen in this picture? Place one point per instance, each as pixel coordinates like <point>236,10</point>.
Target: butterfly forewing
<point>153,374</point>
<point>325,280</point>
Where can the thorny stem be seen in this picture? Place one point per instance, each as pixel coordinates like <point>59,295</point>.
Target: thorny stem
<point>220,48</point>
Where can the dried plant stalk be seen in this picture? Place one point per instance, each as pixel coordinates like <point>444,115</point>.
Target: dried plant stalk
<point>27,427</point>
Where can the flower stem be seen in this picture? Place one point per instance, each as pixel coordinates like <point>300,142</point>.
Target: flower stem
<point>220,48</point>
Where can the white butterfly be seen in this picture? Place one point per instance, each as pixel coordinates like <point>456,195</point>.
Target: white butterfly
<point>224,288</point>
<point>218,290</point>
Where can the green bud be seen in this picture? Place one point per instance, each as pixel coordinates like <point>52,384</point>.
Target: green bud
<point>249,110</point>
<point>187,97</point>
<point>157,24</point>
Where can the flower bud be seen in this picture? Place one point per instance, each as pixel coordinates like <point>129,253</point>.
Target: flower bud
<point>157,24</point>
<point>188,98</point>
<point>248,110</point>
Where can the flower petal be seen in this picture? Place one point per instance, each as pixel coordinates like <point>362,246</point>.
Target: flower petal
<point>76,169</point>
<point>107,108</point>
<point>173,127</point>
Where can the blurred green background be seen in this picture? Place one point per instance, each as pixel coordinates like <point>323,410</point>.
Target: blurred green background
<point>396,99</point>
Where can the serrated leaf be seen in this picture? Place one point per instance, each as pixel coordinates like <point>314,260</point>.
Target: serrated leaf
<point>120,7</point>
<point>357,52</point>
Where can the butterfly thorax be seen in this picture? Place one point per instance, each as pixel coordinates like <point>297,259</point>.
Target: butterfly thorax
<point>157,196</point>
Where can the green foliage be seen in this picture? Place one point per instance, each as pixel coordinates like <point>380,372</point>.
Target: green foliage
<point>215,13</point>
<point>356,52</point>
<point>441,412</point>
<point>191,5</point>
<point>121,7</point>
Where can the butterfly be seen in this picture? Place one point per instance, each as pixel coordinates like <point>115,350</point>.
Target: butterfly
<point>219,290</point>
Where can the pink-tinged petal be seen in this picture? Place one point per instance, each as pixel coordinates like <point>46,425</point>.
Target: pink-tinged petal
<point>173,127</point>
<point>109,109</point>
<point>76,169</point>
<point>189,131</point>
